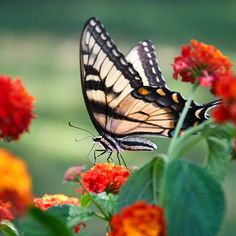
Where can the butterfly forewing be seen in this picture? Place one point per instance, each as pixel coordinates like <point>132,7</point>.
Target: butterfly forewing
<point>107,77</point>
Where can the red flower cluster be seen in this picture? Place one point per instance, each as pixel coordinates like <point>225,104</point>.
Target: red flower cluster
<point>202,62</point>
<point>105,177</point>
<point>16,106</point>
<point>139,219</point>
<point>48,201</point>
<point>5,211</point>
<point>226,89</point>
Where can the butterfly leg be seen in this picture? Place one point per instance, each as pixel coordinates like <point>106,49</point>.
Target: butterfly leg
<point>109,157</point>
<point>120,157</point>
<point>102,151</point>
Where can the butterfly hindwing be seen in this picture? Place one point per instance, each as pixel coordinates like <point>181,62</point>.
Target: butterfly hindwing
<point>144,60</point>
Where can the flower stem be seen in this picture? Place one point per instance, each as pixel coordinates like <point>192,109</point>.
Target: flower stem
<point>94,201</point>
<point>154,173</point>
<point>181,121</point>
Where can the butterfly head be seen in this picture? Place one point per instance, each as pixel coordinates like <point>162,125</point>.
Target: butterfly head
<point>97,139</point>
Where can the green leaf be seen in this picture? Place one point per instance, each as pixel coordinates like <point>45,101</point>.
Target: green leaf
<point>107,201</point>
<point>85,200</point>
<point>144,184</point>
<point>8,228</point>
<point>71,215</point>
<point>52,224</point>
<point>219,141</point>
<point>193,200</point>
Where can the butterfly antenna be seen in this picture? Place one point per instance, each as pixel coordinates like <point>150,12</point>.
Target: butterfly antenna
<point>80,129</point>
<point>79,140</point>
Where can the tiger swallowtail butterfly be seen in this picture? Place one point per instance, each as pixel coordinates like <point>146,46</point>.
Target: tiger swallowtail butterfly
<point>127,97</point>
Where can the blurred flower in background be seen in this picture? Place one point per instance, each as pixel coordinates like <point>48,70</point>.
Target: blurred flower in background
<point>5,211</point>
<point>48,201</point>
<point>139,219</point>
<point>16,182</point>
<point>73,173</point>
<point>202,62</point>
<point>16,108</point>
<point>106,177</point>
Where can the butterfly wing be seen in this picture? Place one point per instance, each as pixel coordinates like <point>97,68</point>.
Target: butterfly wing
<point>155,111</point>
<point>116,97</point>
<point>107,78</point>
<point>144,60</point>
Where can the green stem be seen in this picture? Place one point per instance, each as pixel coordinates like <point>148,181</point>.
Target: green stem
<point>185,137</point>
<point>154,182</point>
<point>181,121</point>
<point>100,216</point>
<point>95,203</point>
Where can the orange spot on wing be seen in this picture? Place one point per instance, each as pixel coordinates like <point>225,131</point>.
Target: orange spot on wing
<point>143,91</point>
<point>175,97</point>
<point>160,92</point>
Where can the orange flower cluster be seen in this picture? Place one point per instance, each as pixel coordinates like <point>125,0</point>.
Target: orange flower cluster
<point>105,177</point>
<point>5,211</point>
<point>16,106</point>
<point>226,89</point>
<point>16,183</point>
<point>48,201</point>
<point>202,62</point>
<point>137,220</point>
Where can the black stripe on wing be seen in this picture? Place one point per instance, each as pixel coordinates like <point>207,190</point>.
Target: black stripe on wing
<point>106,75</point>
<point>144,59</point>
<point>101,37</point>
<point>163,97</point>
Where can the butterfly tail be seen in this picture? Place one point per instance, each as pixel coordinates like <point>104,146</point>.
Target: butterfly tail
<point>198,113</point>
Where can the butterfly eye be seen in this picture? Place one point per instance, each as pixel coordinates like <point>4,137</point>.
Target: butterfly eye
<point>143,91</point>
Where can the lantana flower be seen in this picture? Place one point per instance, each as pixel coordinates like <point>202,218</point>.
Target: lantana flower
<point>139,219</point>
<point>16,108</point>
<point>48,201</point>
<point>226,89</point>
<point>5,211</point>
<point>202,62</point>
<point>106,177</point>
<point>73,173</point>
<point>16,182</point>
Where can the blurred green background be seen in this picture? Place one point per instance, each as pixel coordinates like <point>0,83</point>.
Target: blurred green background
<point>39,41</point>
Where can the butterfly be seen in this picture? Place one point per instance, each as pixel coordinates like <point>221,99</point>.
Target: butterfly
<point>127,97</point>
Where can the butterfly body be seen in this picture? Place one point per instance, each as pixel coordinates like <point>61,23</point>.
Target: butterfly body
<point>127,97</point>
<point>119,145</point>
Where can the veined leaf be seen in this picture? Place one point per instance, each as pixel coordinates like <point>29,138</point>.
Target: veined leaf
<point>40,223</point>
<point>193,200</point>
<point>107,201</point>
<point>144,184</point>
<point>8,229</point>
<point>71,215</point>
<point>219,140</point>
